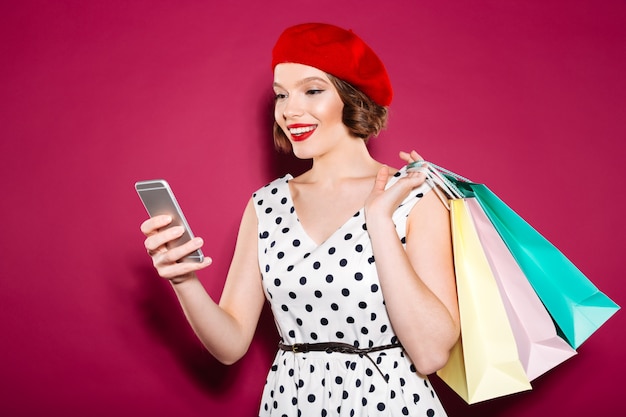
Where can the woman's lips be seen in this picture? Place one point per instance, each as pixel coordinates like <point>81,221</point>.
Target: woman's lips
<point>300,132</point>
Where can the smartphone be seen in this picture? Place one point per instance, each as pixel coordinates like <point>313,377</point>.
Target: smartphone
<point>158,198</point>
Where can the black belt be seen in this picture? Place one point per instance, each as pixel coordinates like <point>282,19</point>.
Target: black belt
<point>338,347</point>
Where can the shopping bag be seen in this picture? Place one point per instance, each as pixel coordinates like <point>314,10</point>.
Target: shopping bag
<point>484,364</point>
<point>574,303</point>
<point>539,347</point>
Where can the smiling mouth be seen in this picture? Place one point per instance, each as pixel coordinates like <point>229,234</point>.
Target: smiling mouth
<point>301,132</point>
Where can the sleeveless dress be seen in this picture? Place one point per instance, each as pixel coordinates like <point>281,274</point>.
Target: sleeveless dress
<point>330,292</point>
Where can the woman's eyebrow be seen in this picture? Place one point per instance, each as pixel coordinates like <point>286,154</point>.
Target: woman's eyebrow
<point>304,81</point>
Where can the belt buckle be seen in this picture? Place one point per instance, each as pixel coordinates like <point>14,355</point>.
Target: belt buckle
<point>300,347</point>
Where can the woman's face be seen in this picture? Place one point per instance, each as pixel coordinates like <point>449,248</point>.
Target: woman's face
<point>308,109</point>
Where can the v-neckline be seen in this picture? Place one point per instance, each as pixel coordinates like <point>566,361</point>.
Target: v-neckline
<point>360,212</point>
<point>289,177</point>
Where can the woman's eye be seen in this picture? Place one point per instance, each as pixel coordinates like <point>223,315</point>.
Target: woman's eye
<point>314,91</point>
<point>279,96</point>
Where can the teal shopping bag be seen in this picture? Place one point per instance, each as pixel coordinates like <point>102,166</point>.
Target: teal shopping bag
<point>575,304</point>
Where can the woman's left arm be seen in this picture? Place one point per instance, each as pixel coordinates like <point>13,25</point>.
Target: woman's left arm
<point>418,283</point>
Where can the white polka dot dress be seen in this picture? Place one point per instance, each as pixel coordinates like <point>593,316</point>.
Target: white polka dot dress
<point>330,293</point>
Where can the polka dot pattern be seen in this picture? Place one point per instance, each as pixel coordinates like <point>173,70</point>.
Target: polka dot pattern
<point>330,293</point>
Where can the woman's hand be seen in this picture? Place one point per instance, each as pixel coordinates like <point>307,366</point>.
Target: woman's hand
<point>410,157</point>
<point>382,203</point>
<point>168,261</point>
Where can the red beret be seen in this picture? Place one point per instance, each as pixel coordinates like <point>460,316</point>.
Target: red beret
<point>338,52</point>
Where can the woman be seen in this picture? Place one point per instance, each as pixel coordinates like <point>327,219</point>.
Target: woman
<point>354,257</point>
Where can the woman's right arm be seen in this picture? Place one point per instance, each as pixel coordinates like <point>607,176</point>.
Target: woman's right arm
<point>226,330</point>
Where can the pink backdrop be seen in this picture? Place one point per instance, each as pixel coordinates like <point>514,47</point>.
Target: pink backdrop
<point>526,96</point>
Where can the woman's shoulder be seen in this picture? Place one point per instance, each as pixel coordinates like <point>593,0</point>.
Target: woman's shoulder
<point>273,186</point>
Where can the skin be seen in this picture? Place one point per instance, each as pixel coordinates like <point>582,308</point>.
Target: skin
<point>418,283</point>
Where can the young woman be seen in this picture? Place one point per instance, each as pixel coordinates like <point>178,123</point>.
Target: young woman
<point>354,257</point>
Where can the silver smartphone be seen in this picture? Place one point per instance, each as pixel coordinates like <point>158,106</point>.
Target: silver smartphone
<point>158,198</point>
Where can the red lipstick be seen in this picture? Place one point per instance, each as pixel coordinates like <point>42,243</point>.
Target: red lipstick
<point>302,131</point>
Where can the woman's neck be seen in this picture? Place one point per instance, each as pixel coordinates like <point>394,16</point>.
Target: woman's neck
<point>352,160</point>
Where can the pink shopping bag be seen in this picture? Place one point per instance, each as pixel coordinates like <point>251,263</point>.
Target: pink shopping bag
<point>539,347</point>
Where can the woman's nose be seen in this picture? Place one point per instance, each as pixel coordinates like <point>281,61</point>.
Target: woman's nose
<point>292,107</point>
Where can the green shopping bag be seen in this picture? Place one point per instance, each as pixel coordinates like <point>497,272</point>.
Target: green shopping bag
<point>575,304</point>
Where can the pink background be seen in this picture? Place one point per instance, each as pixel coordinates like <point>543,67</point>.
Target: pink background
<point>527,96</point>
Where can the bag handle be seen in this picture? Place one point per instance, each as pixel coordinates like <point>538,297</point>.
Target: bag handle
<point>438,181</point>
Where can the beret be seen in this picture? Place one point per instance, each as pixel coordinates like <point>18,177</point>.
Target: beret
<point>338,52</point>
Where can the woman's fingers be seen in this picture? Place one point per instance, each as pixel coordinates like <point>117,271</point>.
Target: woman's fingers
<point>415,156</point>
<point>405,156</point>
<point>153,224</point>
<point>182,270</point>
<point>176,254</point>
<point>409,157</point>
<point>170,263</point>
<point>381,179</point>
<point>157,241</point>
